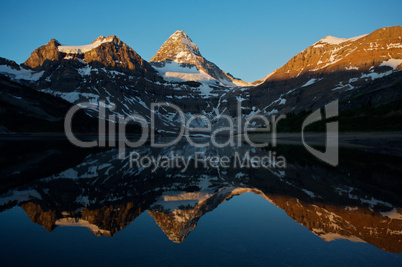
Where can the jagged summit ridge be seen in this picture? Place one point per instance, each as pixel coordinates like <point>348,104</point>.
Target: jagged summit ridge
<point>104,51</point>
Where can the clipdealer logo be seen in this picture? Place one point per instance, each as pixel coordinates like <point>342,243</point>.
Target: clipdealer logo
<point>331,154</point>
<point>236,130</point>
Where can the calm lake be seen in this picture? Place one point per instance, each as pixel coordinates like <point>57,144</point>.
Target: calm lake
<point>62,205</point>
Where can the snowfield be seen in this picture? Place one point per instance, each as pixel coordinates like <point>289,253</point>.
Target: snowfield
<point>81,49</point>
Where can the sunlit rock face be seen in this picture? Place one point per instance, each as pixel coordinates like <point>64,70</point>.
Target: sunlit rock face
<point>105,51</point>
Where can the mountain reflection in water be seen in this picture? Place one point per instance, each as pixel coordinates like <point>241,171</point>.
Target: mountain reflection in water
<point>58,185</point>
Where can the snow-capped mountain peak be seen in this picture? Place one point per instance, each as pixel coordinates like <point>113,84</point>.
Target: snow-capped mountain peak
<point>182,50</point>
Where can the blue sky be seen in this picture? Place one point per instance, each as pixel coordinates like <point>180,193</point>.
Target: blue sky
<point>246,38</point>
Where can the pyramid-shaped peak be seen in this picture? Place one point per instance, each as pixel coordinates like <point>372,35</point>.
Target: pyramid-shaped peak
<point>180,38</point>
<point>178,47</point>
<point>181,49</point>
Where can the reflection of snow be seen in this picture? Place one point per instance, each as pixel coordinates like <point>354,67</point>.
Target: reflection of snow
<point>393,63</point>
<point>393,214</point>
<point>73,222</point>
<point>20,196</point>
<point>333,236</point>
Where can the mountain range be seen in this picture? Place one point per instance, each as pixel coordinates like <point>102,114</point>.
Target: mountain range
<point>361,72</point>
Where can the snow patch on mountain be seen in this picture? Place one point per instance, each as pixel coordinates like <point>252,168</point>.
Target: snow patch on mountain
<point>393,214</point>
<point>310,82</point>
<point>351,68</point>
<point>173,71</point>
<point>205,90</point>
<point>172,66</point>
<point>74,222</point>
<point>21,74</point>
<point>73,97</point>
<point>86,70</point>
<point>375,75</point>
<point>332,40</point>
<point>19,196</point>
<point>179,76</point>
<point>393,63</point>
<point>81,49</point>
<point>335,236</point>
<point>171,201</point>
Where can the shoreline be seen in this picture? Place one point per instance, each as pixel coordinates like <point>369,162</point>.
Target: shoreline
<point>377,142</point>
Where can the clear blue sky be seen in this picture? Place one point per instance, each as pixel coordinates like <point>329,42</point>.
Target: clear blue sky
<point>246,38</point>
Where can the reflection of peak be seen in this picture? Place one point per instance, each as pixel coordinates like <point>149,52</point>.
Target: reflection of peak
<point>326,221</point>
<point>178,224</point>
<point>113,218</point>
<point>354,224</point>
<point>105,220</point>
<point>177,215</point>
<point>39,216</point>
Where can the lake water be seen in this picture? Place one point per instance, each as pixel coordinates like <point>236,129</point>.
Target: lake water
<point>61,205</point>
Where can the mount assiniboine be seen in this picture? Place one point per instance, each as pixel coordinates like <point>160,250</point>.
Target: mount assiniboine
<point>180,59</point>
<point>359,71</point>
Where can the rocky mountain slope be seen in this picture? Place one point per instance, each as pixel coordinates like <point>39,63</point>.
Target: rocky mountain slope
<point>333,68</point>
<point>23,109</point>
